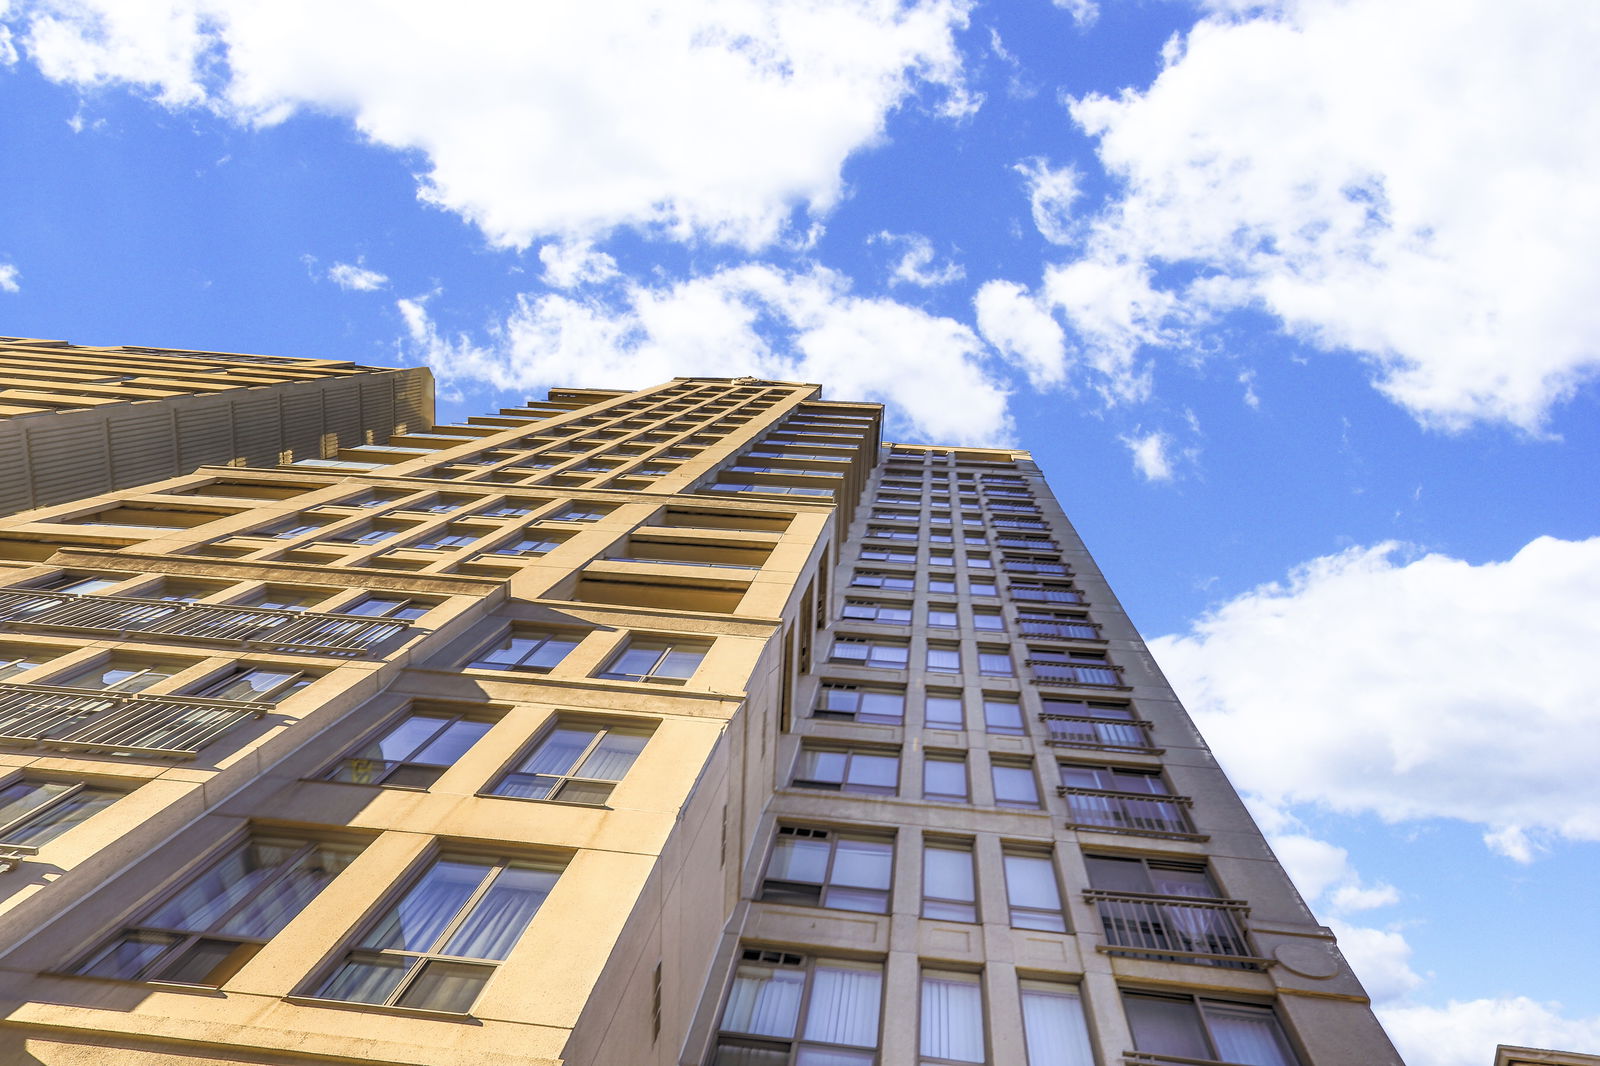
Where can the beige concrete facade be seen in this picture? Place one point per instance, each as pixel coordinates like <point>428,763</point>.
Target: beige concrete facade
<point>649,727</point>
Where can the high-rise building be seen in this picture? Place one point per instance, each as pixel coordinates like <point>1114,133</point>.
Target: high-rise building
<point>692,725</point>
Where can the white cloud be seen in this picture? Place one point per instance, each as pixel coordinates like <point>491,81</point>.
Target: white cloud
<point>714,119</point>
<point>1388,180</point>
<point>1412,689</point>
<point>915,265</point>
<point>1381,958</point>
<point>10,278</point>
<point>1022,330</point>
<point>355,277</point>
<point>1114,311</point>
<point>568,264</point>
<point>1464,1033</point>
<point>1083,12</point>
<point>1152,454</point>
<point>1051,194</point>
<point>753,319</point>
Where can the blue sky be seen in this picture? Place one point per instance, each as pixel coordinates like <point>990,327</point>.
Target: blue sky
<point>1293,300</point>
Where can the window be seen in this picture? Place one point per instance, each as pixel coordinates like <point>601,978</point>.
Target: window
<point>579,514</point>
<point>941,585</point>
<point>445,539</point>
<point>827,868</point>
<point>773,991</point>
<point>253,683</point>
<point>1053,1026</point>
<point>945,658</point>
<point>389,607</point>
<point>279,598</point>
<point>120,675</point>
<point>219,919</point>
<point>412,753</point>
<point>1014,785</point>
<point>17,658</point>
<point>952,1018</point>
<point>949,891</point>
<point>575,763</point>
<point>460,909</point>
<point>1002,714</point>
<point>534,545</point>
<point>988,620</point>
<point>366,535</point>
<point>888,555</point>
<point>292,530</point>
<point>33,813</point>
<point>942,710</point>
<point>944,777</point>
<point>1195,1028</point>
<point>660,661</point>
<point>874,705</point>
<point>536,651</point>
<point>873,579</point>
<point>944,559</point>
<point>849,770</point>
<point>981,588</point>
<point>1033,892</point>
<point>994,662</point>
<point>868,652</point>
<point>873,611</point>
<point>943,615</point>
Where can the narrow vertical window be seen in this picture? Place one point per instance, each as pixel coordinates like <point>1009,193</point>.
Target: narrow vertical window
<point>949,891</point>
<point>1053,1025</point>
<point>1033,892</point>
<point>952,1018</point>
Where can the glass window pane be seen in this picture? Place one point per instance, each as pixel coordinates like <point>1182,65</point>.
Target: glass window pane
<point>943,711</point>
<point>862,863</point>
<point>206,962</point>
<point>799,859</point>
<point>559,752</point>
<point>1164,1026</point>
<point>46,826</point>
<point>844,1004</point>
<point>947,873</point>
<point>205,899</point>
<point>24,796</point>
<point>446,986</point>
<point>612,757</point>
<point>1014,786</point>
<point>453,743</point>
<point>945,777</point>
<point>1247,1035</point>
<point>680,663</point>
<point>502,914</point>
<point>367,979</point>
<point>272,908</point>
<point>249,684</point>
<point>402,740</point>
<point>420,917</point>
<point>952,1017</point>
<point>129,955</point>
<point>874,771</point>
<point>764,1001</point>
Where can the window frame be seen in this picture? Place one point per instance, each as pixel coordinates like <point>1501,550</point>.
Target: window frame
<point>603,729</point>
<point>389,727</point>
<point>421,960</point>
<point>969,902</point>
<point>478,660</point>
<point>795,891</point>
<point>666,647</point>
<point>46,811</point>
<point>1197,1005</point>
<point>776,961</point>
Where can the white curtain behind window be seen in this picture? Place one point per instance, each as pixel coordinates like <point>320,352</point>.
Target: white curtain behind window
<point>1052,1021</point>
<point>952,1016</point>
<point>844,1004</point>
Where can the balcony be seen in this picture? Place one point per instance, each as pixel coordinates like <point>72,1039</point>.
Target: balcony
<point>1022,566</point>
<point>274,628</point>
<point>1056,673</point>
<point>128,722</point>
<point>1062,630</point>
<point>1135,813</point>
<point>1175,928</point>
<point>1082,731</point>
<point>1036,594</point>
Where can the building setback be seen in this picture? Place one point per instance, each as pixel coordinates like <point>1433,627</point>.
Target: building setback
<point>693,725</point>
<point>77,421</point>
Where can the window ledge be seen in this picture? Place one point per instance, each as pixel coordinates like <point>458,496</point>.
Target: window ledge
<point>379,1008</point>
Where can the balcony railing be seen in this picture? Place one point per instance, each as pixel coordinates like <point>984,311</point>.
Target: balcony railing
<point>1085,630</point>
<point>1178,928</point>
<point>1033,594</point>
<point>1081,731</point>
<point>1138,813</point>
<point>276,628</point>
<point>90,720</point>
<point>1019,566</point>
<point>1054,673</point>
